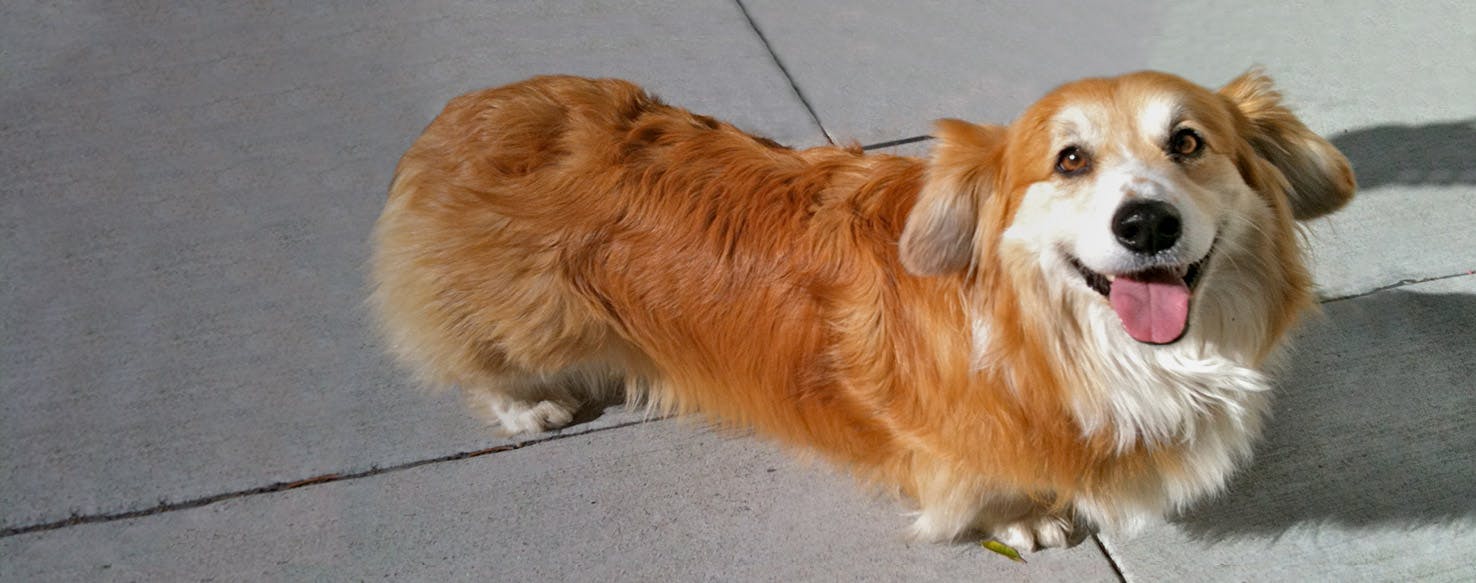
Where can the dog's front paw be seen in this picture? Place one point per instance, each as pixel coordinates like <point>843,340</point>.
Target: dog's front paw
<point>936,527</point>
<point>1040,532</point>
<point>517,417</point>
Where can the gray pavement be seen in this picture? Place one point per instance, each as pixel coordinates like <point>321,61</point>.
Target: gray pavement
<point>188,188</point>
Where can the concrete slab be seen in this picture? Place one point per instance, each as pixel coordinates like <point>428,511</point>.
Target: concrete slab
<point>1391,234</point>
<point>1366,470</point>
<point>662,501</point>
<point>877,70</point>
<point>187,196</point>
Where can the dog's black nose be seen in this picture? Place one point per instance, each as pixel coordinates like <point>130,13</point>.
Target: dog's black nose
<point>1146,226</point>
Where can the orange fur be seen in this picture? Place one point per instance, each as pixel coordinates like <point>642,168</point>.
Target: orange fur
<point>561,232</point>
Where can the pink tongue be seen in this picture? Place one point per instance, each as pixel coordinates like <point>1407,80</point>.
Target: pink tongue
<point>1154,306</point>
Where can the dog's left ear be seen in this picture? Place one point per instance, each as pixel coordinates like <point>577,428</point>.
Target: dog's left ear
<point>1321,179</point>
<point>939,236</point>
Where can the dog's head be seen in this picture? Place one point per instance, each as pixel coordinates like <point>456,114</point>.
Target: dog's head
<point>1132,195</point>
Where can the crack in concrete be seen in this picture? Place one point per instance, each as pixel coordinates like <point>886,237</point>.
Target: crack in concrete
<point>1397,285</point>
<point>328,478</point>
<point>900,142</point>
<point>784,70</point>
<point>1111,560</point>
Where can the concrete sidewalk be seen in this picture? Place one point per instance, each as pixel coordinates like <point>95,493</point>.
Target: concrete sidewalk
<point>190,389</point>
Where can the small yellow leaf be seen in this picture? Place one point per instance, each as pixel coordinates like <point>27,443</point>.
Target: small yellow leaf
<point>1003,549</point>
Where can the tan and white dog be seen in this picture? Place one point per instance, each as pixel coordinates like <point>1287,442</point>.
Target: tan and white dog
<point>1045,327</point>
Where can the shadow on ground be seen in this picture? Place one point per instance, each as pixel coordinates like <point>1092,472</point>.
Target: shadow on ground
<point>1438,153</point>
<point>1374,426</point>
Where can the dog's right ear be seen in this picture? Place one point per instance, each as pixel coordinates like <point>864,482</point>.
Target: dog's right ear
<point>1320,177</point>
<point>939,236</point>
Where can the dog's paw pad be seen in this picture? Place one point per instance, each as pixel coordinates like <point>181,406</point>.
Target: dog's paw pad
<point>524,417</point>
<point>1040,532</point>
<point>937,527</point>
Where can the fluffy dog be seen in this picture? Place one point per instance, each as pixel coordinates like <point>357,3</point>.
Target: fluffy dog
<point>1042,328</point>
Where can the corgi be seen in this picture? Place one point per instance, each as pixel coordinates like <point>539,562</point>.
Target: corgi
<point>1042,329</point>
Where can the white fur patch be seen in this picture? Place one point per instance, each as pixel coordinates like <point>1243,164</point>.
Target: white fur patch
<point>524,417</point>
<point>1078,124</point>
<point>1156,118</point>
<point>981,358</point>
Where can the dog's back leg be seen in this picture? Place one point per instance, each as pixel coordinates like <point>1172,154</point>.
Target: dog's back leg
<point>525,402</point>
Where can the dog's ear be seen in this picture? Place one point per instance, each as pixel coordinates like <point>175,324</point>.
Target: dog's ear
<point>939,236</point>
<point>1320,178</point>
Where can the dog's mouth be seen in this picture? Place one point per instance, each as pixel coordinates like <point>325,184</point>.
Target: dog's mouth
<point>1153,304</point>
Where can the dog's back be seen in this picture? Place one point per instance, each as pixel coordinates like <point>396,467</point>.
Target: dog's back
<point>546,237</point>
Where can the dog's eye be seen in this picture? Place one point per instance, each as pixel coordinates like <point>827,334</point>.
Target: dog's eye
<point>1072,161</point>
<point>1186,143</point>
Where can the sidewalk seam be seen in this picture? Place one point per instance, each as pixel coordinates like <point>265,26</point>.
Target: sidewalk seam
<point>329,478</point>
<point>1111,560</point>
<point>1397,285</point>
<point>784,71</point>
<point>897,142</point>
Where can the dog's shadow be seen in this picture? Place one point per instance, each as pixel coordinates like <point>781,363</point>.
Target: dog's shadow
<point>1437,153</point>
<point>1375,417</point>
<point>1374,424</point>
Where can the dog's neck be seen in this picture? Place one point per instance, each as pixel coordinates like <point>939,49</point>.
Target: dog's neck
<point>1132,393</point>
<point>1198,403</point>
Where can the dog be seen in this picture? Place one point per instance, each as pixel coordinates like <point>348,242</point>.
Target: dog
<point>1044,328</point>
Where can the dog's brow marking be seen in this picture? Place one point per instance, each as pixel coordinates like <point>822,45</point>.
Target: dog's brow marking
<point>1157,116</point>
<point>1064,130</point>
<point>1075,121</point>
